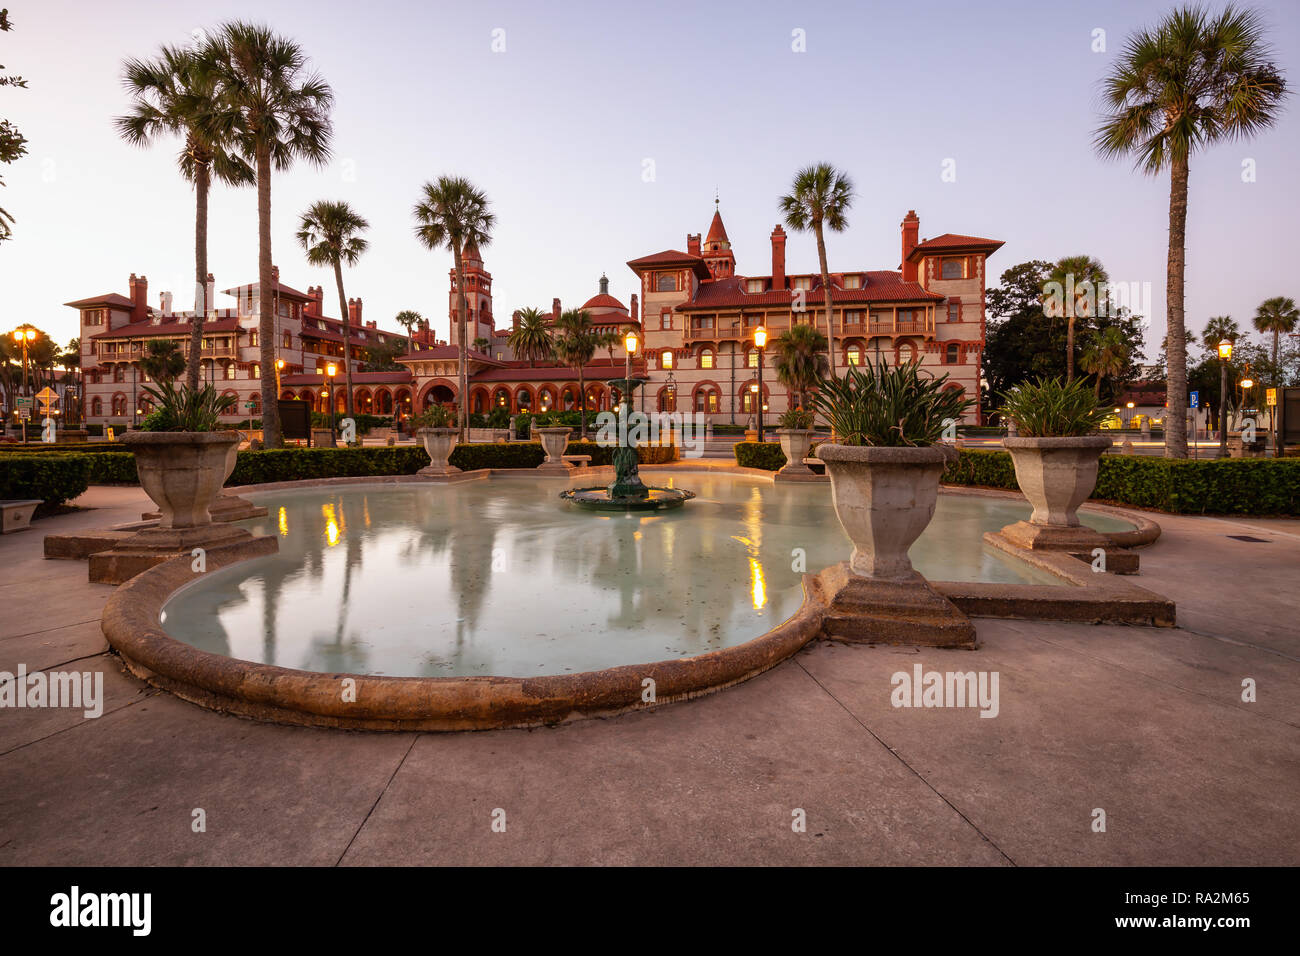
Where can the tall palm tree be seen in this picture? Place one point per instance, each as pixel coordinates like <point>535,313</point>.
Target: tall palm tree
<point>163,361</point>
<point>1083,279</point>
<point>1191,81</point>
<point>173,94</point>
<point>575,343</point>
<point>798,359</point>
<point>819,199</point>
<point>454,215</point>
<point>408,319</point>
<point>328,230</point>
<point>1105,356</point>
<point>278,112</point>
<point>1278,316</point>
<point>531,338</point>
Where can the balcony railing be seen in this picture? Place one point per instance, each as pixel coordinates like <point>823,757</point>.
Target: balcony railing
<point>138,351</point>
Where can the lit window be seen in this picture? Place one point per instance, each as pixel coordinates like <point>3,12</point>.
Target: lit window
<point>666,360</point>
<point>229,370</point>
<point>706,359</point>
<point>751,358</point>
<point>855,355</point>
<point>288,340</point>
<point>255,371</point>
<point>953,269</point>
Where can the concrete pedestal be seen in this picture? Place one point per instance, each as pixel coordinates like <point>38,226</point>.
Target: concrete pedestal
<point>872,611</point>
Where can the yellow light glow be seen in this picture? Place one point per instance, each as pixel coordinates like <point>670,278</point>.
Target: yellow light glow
<point>1225,349</point>
<point>284,522</point>
<point>1247,383</point>
<point>1130,404</point>
<point>630,343</point>
<point>760,337</point>
<point>279,363</point>
<point>757,584</point>
<point>331,370</point>
<point>331,524</point>
<point>754,388</point>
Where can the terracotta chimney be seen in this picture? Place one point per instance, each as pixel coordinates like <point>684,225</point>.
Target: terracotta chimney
<point>354,312</point>
<point>514,319</point>
<point>635,312</point>
<point>693,244</point>
<point>555,309</point>
<point>210,294</point>
<point>911,225</point>
<point>139,296</point>
<point>778,258</point>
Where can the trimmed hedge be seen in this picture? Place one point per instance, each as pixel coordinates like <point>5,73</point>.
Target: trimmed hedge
<point>52,478</point>
<point>1248,486</point>
<point>759,454</point>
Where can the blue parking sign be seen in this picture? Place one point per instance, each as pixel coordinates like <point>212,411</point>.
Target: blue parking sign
<point>1196,399</point>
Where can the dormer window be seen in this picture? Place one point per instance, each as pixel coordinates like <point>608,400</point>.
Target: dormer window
<point>801,282</point>
<point>853,281</point>
<point>754,285</point>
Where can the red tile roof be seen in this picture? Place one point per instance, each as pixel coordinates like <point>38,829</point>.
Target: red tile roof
<point>717,231</point>
<point>110,298</point>
<point>444,352</point>
<point>671,257</point>
<point>879,287</point>
<point>604,301</point>
<point>950,241</point>
<point>137,330</point>
<point>519,372</point>
<point>287,292</point>
<point>403,377</point>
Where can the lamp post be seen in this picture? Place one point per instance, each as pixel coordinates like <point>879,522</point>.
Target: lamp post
<point>1225,353</point>
<point>330,371</point>
<point>760,342</point>
<point>24,335</point>
<point>629,346</point>
<point>1129,406</point>
<point>279,367</point>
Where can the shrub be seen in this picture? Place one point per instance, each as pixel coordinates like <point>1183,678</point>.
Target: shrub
<point>113,468</point>
<point>795,418</point>
<point>759,454</point>
<point>436,416</point>
<point>986,469</point>
<point>1050,408</point>
<point>183,409</point>
<point>879,404</point>
<point>53,479</point>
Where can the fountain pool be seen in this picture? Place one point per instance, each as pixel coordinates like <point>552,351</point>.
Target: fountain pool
<point>499,578</point>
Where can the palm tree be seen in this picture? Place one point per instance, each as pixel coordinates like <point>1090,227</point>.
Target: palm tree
<point>531,338</point>
<point>173,94</point>
<point>481,344</point>
<point>163,361</point>
<point>1193,80</point>
<point>1278,316</point>
<point>1082,278</point>
<point>278,112</point>
<point>1105,356</point>
<point>408,319</point>
<point>819,198</point>
<point>454,215</point>
<point>798,359</point>
<point>1218,329</point>
<point>329,232</point>
<point>575,344</point>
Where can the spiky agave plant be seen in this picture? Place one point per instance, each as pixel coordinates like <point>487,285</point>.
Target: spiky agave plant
<point>876,404</point>
<point>186,409</point>
<point>1050,408</point>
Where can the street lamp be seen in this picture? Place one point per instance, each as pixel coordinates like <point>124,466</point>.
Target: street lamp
<point>1129,406</point>
<point>760,342</point>
<point>23,336</point>
<point>279,367</point>
<point>1225,354</point>
<point>330,371</point>
<point>629,345</point>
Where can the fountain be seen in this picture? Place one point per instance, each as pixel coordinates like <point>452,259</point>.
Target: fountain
<point>627,492</point>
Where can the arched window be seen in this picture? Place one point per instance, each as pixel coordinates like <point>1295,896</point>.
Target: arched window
<point>854,355</point>
<point>288,340</point>
<point>706,400</point>
<point>666,358</point>
<point>96,407</point>
<point>952,354</point>
<point>706,358</point>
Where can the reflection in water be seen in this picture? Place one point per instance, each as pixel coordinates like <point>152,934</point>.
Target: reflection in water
<point>498,577</point>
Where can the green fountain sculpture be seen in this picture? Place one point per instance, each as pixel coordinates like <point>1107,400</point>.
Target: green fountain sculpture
<point>627,492</point>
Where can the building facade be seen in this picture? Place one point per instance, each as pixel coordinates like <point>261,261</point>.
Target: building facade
<point>694,311</point>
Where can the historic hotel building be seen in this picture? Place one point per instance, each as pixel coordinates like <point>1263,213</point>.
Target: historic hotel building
<point>695,315</point>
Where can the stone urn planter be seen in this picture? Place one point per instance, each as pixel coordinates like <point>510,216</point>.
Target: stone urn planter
<point>439,444</point>
<point>554,440</point>
<point>795,442</point>
<point>182,472</point>
<point>1056,475</point>
<point>884,498</point>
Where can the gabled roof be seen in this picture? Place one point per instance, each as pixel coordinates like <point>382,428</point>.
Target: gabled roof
<point>111,299</point>
<point>879,287</point>
<point>286,292</point>
<point>396,377</point>
<point>952,242</point>
<point>137,330</point>
<point>670,257</point>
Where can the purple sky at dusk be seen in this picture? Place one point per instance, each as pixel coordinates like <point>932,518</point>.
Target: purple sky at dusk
<point>556,128</point>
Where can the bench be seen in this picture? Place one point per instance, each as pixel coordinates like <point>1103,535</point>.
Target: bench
<point>582,461</point>
<point>16,514</point>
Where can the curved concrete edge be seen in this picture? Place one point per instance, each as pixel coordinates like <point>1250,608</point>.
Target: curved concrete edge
<point>266,692</point>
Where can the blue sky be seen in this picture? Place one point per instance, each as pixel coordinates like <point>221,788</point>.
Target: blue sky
<point>557,128</point>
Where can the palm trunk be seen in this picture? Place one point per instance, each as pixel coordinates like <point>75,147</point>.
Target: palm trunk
<point>347,338</point>
<point>1069,349</point>
<point>1176,384</point>
<point>202,180</point>
<point>826,293</point>
<point>1096,389</point>
<point>271,437</point>
<point>462,324</point>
